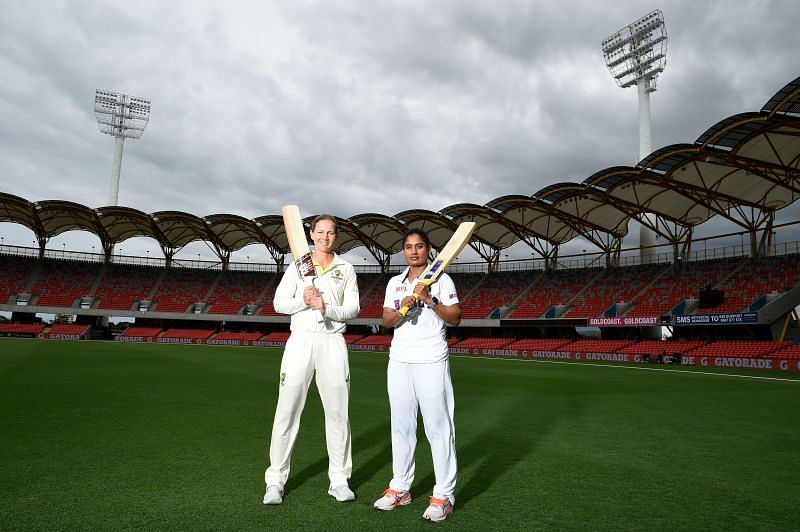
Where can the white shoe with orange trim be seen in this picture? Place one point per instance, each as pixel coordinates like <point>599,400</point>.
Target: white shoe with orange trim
<point>391,499</point>
<point>439,509</point>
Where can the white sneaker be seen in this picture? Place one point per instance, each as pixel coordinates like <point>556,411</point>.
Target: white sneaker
<point>438,510</point>
<point>342,493</point>
<point>392,499</point>
<point>274,495</point>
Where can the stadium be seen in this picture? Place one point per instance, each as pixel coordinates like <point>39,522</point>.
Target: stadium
<point>725,307</point>
<point>641,446</point>
<point>597,386</point>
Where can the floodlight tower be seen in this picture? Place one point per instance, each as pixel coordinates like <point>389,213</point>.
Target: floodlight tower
<point>636,55</point>
<point>121,116</point>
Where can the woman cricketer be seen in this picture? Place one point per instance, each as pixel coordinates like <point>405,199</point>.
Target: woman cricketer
<point>418,376</point>
<point>319,348</point>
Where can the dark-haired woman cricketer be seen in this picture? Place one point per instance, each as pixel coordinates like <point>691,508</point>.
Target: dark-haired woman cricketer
<point>418,377</point>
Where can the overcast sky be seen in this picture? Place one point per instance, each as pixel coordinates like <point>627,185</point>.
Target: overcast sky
<point>363,106</point>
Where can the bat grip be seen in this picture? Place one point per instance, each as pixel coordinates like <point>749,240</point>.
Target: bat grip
<point>317,314</point>
<point>404,310</point>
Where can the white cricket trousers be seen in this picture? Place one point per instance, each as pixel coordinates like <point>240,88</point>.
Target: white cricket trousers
<point>428,387</point>
<point>306,354</point>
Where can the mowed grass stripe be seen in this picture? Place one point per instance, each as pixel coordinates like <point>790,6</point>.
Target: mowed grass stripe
<point>98,435</point>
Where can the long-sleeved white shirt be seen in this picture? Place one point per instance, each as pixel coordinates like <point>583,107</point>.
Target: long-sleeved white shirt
<point>339,289</point>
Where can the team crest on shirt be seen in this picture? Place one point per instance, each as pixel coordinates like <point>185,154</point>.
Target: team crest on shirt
<point>337,276</point>
<point>283,379</point>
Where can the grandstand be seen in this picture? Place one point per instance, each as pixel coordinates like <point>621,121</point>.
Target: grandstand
<point>575,294</point>
<point>21,329</point>
<point>62,283</point>
<point>181,288</point>
<point>67,331</point>
<point>372,289</point>
<point>235,291</point>
<point>190,334</point>
<point>14,272</point>
<point>144,332</point>
<point>122,286</point>
<point>737,166</point>
<point>552,291</point>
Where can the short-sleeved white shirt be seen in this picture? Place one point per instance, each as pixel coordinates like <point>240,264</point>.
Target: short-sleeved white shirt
<point>420,337</point>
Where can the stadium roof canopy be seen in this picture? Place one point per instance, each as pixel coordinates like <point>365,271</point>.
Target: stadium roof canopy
<point>743,168</point>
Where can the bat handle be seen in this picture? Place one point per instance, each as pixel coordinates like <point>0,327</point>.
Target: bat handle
<point>317,314</point>
<point>404,310</point>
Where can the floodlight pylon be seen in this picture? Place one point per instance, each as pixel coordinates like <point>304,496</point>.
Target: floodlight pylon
<point>120,116</point>
<point>636,55</point>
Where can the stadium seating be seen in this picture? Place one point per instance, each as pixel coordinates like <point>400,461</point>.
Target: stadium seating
<point>352,338</point>
<point>14,272</point>
<point>278,336</point>
<point>615,285</point>
<point>193,334</point>
<point>68,328</point>
<point>60,282</point>
<point>181,288</point>
<point>269,295</point>
<point>245,336</point>
<point>375,340</point>
<point>597,346</point>
<point>556,287</point>
<point>738,348</point>
<point>236,289</point>
<point>652,290</point>
<point>483,343</point>
<point>672,287</point>
<point>538,344</point>
<point>145,332</point>
<point>21,328</point>
<point>785,350</point>
<point>754,278</point>
<point>657,347</point>
<point>482,293</point>
<point>123,285</point>
<point>372,289</point>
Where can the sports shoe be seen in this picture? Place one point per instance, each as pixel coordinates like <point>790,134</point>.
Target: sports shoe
<point>274,495</point>
<point>342,493</point>
<point>438,510</point>
<point>392,499</point>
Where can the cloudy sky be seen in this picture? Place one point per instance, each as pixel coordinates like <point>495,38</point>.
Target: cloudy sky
<point>362,106</point>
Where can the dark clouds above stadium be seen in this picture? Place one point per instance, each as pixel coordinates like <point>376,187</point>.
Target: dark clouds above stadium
<point>352,107</point>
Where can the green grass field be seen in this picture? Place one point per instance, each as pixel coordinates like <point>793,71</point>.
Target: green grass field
<point>99,436</point>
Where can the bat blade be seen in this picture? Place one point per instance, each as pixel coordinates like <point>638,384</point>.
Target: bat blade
<point>298,244</point>
<point>448,254</point>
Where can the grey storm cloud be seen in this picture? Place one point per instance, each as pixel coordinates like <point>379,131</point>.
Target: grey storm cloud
<point>350,107</point>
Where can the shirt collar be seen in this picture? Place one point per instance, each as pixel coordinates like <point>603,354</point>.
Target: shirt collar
<point>407,271</point>
<point>335,262</point>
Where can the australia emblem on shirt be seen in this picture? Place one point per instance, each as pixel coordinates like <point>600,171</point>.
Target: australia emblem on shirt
<point>337,276</point>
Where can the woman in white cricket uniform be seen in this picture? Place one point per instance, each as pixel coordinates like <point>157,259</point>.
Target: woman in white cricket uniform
<point>418,376</point>
<point>315,347</point>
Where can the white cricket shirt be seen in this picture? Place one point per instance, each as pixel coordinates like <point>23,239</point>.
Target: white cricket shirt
<point>420,337</point>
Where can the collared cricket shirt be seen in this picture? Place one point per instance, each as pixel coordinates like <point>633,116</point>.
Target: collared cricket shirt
<point>420,337</point>
<point>339,289</point>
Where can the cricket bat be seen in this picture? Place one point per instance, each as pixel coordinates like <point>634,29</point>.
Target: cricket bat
<point>298,244</point>
<point>448,254</point>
